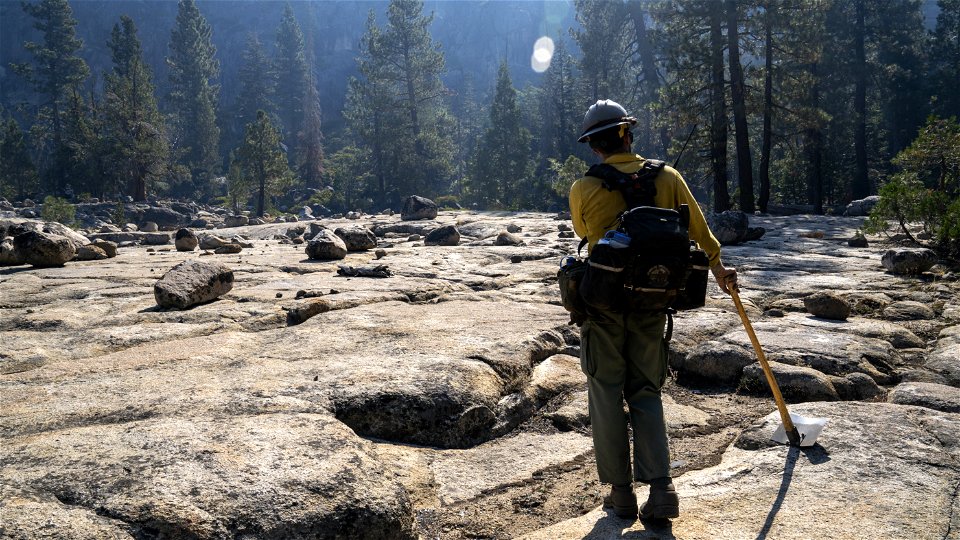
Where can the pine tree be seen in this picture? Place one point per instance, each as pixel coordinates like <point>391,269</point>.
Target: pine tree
<point>739,105</point>
<point>370,110</point>
<point>503,167</point>
<point>257,87</point>
<point>18,176</point>
<point>57,75</point>
<point>309,157</point>
<point>691,43</point>
<point>397,108</point>
<point>292,73</point>
<point>135,134</point>
<point>945,59</point>
<point>414,63</point>
<point>263,160</point>
<point>560,108</point>
<point>193,96</point>
<point>645,64</point>
<point>604,42</point>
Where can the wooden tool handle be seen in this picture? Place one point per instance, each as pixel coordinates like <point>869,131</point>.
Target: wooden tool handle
<point>781,405</point>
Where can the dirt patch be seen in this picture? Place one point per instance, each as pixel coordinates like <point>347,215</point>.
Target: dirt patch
<point>573,489</point>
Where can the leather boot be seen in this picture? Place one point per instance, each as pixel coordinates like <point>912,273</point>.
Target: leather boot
<point>663,502</point>
<point>623,501</point>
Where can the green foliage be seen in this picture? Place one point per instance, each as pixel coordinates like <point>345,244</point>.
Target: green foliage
<point>350,173</point>
<point>935,154</point>
<point>263,161</point>
<point>256,79</point>
<point>945,59</point>
<point>503,168</point>
<point>559,107</point>
<point>396,108</point>
<point>119,215</point>
<point>564,174</point>
<point>926,191</point>
<point>57,74</point>
<point>309,151</point>
<point>239,186</point>
<point>18,176</point>
<point>290,65</point>
<point>134,140</point>
<point>322,197</point>
<point>58,209</point>
<point>193,96</point>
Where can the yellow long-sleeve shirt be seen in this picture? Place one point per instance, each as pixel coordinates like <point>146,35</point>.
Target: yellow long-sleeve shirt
<point>594,209</point>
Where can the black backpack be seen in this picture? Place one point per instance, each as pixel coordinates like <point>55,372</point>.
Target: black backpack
<point>661,269</point>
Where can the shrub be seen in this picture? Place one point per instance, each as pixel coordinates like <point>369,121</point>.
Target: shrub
<point>565,174</point>
<point>927,190</point>
<point>119,215</point>
<point>58,209</point>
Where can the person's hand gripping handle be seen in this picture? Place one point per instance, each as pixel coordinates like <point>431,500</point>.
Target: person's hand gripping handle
<point>726,277</point>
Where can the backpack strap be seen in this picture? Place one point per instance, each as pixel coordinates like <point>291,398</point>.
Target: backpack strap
<point>638,189</point>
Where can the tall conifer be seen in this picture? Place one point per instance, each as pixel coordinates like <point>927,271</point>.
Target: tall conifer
<point>18,176</point>
<point>56,74</point>
<point>263,160</point>
<point>292,76</point>
<point>193,96</point>
<point>503,167</point>
<point>135,134</point>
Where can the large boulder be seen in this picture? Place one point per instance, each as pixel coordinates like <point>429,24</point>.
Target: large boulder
<point>908,310</point>
<point>827,305</point>
<point>235,221</point>
<point>908,261</point>
<point>714,361</point>
<point>797,383</point>
<point>42,249</point>
<point>416,207</point>
<point>164,218</point>
<point>943,359</point>
<point>861,207</point>
<point>192,282</point>
<point>211,241</point>
<point>90,253</point>
<point>9,256</point>
<point>154,238</point>
<point>730,227</point>
<point>939,397</point>
<point>326,246</point>
<point>448,235</point>
<point>186,240</point>
<point>14,227</point>
<point>108,247</point>
<point>357,238</point>
<point>284,475</point>
<point>506,238</point>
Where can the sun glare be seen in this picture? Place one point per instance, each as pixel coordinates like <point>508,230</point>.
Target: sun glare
<point>542,54</point>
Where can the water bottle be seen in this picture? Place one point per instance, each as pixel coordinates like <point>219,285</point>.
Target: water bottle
<point>567,261</point>
<point>616,239</point>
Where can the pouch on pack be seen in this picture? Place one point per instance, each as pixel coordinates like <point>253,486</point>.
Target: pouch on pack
<point>603,281</point>
<point>569,277</point>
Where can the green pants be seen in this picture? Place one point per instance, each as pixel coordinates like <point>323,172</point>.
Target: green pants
<point>625,358</point>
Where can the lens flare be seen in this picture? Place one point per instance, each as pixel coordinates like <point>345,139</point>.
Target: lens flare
<point>542,54</point>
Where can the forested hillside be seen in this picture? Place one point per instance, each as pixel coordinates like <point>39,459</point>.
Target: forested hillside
<point>358,104</point>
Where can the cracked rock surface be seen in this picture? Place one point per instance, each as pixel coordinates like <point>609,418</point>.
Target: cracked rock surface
<point>446,401</point>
